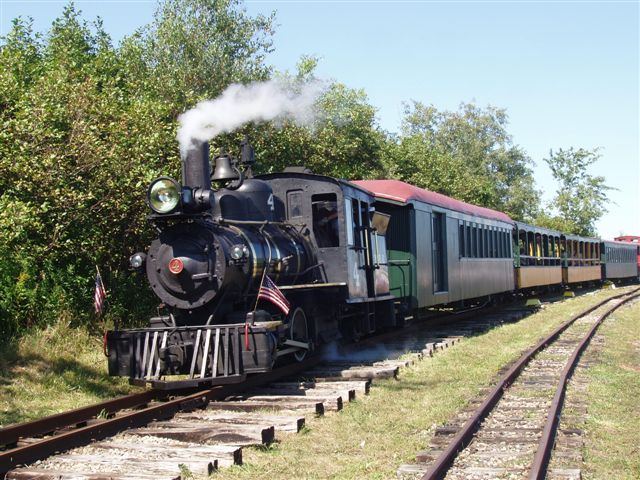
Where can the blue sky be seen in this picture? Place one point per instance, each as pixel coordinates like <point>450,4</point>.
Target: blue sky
<point>566,72</point>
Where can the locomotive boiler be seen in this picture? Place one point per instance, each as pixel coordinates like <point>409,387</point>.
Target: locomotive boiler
<point>221,248</point>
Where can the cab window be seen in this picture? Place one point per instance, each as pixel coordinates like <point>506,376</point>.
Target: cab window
<point>324,209</point>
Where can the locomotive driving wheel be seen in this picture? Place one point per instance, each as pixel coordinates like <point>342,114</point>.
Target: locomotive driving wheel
<point>299,332</point>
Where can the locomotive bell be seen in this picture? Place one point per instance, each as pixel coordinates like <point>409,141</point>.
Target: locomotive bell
<point>224,172</point>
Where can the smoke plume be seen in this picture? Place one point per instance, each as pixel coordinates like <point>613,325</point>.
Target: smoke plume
<point>241,104</point>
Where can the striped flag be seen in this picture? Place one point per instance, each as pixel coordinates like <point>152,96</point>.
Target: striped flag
<point>270,291</point>
<point>99,295</point>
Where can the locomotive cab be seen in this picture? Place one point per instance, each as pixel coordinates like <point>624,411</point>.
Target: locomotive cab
<point>349,238</point>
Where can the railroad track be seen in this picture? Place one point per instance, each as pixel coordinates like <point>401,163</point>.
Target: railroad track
<point>191,434</point>
<point>511,433</point>
<point>152,435</point>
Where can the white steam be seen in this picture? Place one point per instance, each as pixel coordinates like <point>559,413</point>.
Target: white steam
<point>241,104</point>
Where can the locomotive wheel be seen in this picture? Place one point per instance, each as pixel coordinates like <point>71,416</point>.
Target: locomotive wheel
<point>299,332</point>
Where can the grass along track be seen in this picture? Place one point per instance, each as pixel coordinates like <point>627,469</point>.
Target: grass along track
<point>54,370</point>
<point>613,388</point>
<point>373,436</point>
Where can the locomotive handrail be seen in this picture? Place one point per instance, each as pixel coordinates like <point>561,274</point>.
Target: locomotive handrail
<point>320,264</point>
<point>376,264</point>
<point>312,285</point>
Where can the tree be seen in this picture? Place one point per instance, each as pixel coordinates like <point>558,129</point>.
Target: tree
<point>87,125</point>
<point>581,198</point>
<point>467,154</point>
<point>345,143</point>
<point>194,49</point>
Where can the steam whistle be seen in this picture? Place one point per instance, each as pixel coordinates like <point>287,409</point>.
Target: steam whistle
<point>247,156</point>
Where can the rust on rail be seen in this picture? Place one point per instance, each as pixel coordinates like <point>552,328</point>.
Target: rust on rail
<point>11,434</point>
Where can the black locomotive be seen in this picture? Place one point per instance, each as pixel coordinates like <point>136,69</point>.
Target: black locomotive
<point>221,252</point>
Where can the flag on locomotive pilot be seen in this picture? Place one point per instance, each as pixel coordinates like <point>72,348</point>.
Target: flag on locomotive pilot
<point>100,294</point>
<point>270,291</point>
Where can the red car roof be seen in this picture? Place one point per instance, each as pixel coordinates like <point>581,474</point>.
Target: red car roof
<point>628,238</point>
<point>405,193</point>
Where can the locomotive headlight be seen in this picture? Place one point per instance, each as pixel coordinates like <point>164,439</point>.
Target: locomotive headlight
<point>163,195</point>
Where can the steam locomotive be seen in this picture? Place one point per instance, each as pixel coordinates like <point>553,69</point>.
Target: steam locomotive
<point>252,270</point>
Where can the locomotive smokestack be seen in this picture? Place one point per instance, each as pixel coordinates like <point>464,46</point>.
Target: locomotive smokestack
<point>196,170</point>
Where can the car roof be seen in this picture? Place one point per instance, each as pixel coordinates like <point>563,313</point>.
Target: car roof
<point>402,192</point>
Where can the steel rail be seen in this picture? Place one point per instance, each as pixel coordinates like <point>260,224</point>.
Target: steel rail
<point>545,446</point>
<point>81,436</point>
<point>11,434</point>
<point>440,466</point>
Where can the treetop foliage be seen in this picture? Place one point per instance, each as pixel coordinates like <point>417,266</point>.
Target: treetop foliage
<point>86,125</point>
<point>466,154</point>
<point>196,48</point>
<point>581,198</point>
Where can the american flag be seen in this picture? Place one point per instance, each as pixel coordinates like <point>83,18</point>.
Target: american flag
<point>270,291</point>
<point>99,295</point>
